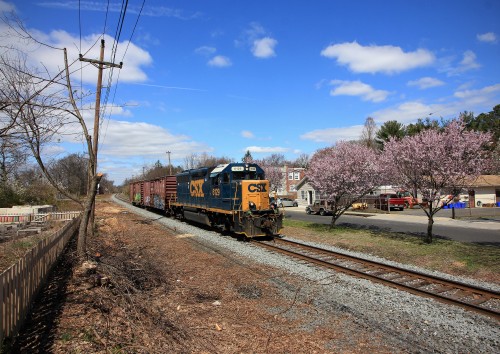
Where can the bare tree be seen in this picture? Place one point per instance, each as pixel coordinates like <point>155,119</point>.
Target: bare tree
<point>38,107</point>
<point>190,161</point>
<point>106,185</point>
<point>12,155</point>
<point>204,160</point>
<point>369,133</point>
<point>67,172</point>
<point>35,113</point>
<point>301,161</point>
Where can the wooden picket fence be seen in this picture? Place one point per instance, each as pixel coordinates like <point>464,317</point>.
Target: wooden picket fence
<point>20,283</point>
<point>39,217</point>
<point>56,216</point>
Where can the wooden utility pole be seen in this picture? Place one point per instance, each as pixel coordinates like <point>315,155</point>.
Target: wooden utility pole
<point>169,164</point>
<point>101,65</point>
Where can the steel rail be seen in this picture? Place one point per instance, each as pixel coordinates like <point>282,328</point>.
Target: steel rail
<point>402,278</point>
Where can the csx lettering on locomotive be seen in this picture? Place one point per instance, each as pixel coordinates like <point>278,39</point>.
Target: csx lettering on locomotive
<point>196,189</point>
<point>257,187</point>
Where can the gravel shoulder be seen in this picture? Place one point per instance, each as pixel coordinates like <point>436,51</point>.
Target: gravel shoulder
<point>161,286</point>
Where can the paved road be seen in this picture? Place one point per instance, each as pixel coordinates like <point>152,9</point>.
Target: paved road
<point>482,229</point>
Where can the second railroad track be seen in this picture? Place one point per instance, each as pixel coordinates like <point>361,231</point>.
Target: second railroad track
<point>468,296</point>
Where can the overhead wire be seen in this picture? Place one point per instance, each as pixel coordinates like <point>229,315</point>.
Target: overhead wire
<point>79,51</point>
<point>114,51</point>
<point>80,24</point>
<point>90,48</point>
<point>125,53</point>
<point>133,30</point>
<point>103,107</point>
<point>105,20</point>
<point>118,78</point>
<point>114,48</point>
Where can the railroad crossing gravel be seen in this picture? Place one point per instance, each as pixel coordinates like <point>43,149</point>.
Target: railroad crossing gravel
<point>410,323</point>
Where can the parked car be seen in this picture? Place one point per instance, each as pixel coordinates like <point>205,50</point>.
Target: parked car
<point>287,202</point>
<point>320,207</point>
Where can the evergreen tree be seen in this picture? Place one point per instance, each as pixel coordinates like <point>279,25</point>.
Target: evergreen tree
<point>247,158</point>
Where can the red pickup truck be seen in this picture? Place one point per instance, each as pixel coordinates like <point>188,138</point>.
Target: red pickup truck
<point>392,200</point>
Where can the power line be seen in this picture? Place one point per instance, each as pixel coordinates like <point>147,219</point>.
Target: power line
<point>111,70</point>
<point>114,48</point>
<point>119,27</point>
<point>105,20</point>
<point>80,24</point>
<point>79,51</point>
<point>133,30</point>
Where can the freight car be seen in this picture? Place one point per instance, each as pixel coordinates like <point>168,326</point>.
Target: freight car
<point>233,197</point>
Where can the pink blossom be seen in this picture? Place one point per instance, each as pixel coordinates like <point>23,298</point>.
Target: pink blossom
<point>343,174</point>
<point>435,162</point>
<point>273,173</point>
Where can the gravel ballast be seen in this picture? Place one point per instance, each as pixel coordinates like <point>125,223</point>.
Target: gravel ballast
<point>408,323</point>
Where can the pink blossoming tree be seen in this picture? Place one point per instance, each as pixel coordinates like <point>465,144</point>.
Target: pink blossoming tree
<point>433,162</point>
<point>343,174</point>
<point>272,167</point>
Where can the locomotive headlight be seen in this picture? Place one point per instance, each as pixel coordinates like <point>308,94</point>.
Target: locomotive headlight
<point>252,205</point>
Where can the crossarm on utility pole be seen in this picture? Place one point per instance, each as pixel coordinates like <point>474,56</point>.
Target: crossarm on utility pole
<point>100,62</point>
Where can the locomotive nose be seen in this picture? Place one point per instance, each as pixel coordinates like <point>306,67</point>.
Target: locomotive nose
<point>255,195</point>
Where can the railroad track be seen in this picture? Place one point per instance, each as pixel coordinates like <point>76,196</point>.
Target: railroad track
<point>470,297</point>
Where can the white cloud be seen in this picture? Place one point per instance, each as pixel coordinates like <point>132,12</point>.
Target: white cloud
<point>256,30</point>
<point>332,135</point>
<point>469,61</point>
<point>136,9</point>
<point>266,149</point>
<point>53,60</point>
<point>426,82</point>
<point>372,59</point>
<point>247,134</point>
<point>406,112</point>
<point>171,87</point>
<point>128,139</point>
<point>479,100</point>
<point>357,88</point>
<point>489,37</point>
<point>220,61</point>
<point>261,44</point>
<point>264,47</point>
<point>484,92</point>
<point>205,50</point>
<point>52,151</point>
<point>7,7</point>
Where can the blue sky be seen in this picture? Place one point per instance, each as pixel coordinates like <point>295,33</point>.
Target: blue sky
<point>289,77</point>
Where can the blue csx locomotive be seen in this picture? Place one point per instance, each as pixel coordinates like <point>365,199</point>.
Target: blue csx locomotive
<point>233,197</point>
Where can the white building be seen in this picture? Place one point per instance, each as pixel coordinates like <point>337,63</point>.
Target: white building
<point>485,192</point>
<point>305,192</point>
